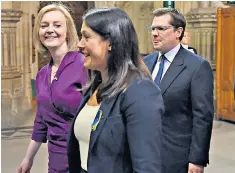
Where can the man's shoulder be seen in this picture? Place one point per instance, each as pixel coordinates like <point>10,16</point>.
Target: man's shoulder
<point>192,58</point>
<point>149,56</point>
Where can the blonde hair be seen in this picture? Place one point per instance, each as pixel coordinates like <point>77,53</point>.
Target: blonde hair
<point>71,35</point>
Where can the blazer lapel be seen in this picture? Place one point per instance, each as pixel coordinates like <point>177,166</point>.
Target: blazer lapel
<point>106,107</point>
<point>68,59</point>
<point>151,60</point>
<point>176,67</point>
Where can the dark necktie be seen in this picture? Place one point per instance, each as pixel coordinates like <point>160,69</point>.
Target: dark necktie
<point>160,71</point>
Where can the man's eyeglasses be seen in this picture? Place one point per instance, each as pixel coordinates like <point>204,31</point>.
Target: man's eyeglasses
<point>159,28</point>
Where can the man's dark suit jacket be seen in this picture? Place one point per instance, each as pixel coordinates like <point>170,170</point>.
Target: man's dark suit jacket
<point>128,137</point>
<point>187,90</point>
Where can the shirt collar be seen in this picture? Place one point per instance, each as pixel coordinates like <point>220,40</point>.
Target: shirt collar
<point>184,46</point>
<point>171,54</point>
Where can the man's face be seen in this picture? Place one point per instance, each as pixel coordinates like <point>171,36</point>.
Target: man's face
<point>164,36</point>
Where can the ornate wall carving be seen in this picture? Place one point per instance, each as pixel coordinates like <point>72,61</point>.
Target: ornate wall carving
<point>202,24</point>
<point>141,15</point>
<point>19,65</point>
<point>104,3</point>
<point>11,101</point>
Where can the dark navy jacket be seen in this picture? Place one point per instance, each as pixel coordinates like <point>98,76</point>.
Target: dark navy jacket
<point>187,91</point>
<point>128,137</point>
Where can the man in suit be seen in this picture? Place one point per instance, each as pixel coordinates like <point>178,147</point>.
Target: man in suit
<point>186,83</point>
<point>186,41</point>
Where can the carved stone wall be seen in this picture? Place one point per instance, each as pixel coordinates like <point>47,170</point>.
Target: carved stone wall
<point>202,24</point>
<point>140,13</point>
<point>20,62</point>
<point>16,35</point>
<point>143,22</point>
<point>186,6</point>
<point>12,88</point>
<point>105,3</point>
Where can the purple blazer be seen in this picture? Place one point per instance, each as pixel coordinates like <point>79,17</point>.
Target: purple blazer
<point>57,103</point>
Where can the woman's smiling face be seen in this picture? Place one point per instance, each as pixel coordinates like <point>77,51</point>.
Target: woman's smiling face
<point>94,48</point>
<point>53,29</point>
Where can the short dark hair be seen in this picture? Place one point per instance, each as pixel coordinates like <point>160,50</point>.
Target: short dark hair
<point>124,62</point>
<point>178,19</point>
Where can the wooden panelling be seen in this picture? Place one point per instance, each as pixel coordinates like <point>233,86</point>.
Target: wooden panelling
<point>225,64</point>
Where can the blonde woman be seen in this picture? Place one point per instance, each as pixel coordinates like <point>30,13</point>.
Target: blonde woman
<point>57,86</point>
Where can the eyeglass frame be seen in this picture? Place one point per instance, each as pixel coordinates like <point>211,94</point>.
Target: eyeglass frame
<point>159,28</point>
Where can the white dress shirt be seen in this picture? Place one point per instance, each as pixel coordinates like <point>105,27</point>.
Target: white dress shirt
<point>169,59</point>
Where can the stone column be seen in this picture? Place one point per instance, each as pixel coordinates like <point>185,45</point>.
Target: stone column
<point>141,14</point>
<point>184,6</point>
<point>26,24</point>
<point>11,77</point>
<point>202,25</point>
<point>104,3</point>
<point>144,20</point>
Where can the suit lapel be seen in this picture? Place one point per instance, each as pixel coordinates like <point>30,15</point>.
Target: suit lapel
<point>176,67</point>
<point>105,107</point>
<point>151,60</point>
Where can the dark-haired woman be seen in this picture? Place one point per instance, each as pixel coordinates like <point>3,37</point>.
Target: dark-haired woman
<point>118,127</point>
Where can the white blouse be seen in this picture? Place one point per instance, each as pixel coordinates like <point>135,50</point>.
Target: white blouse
<point>82,131</point>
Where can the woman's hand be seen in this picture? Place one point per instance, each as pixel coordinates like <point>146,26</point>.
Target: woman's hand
<point>25,166</point>
<point>27,163</point>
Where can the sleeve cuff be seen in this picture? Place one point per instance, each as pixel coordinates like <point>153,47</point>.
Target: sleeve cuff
<point>39,138</point>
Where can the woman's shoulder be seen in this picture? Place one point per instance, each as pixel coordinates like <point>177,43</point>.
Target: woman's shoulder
<point>140,87</point>
<point>76,55</point>
<point>140,83</point>
<point>43,71</point>
<point>140,90</point>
